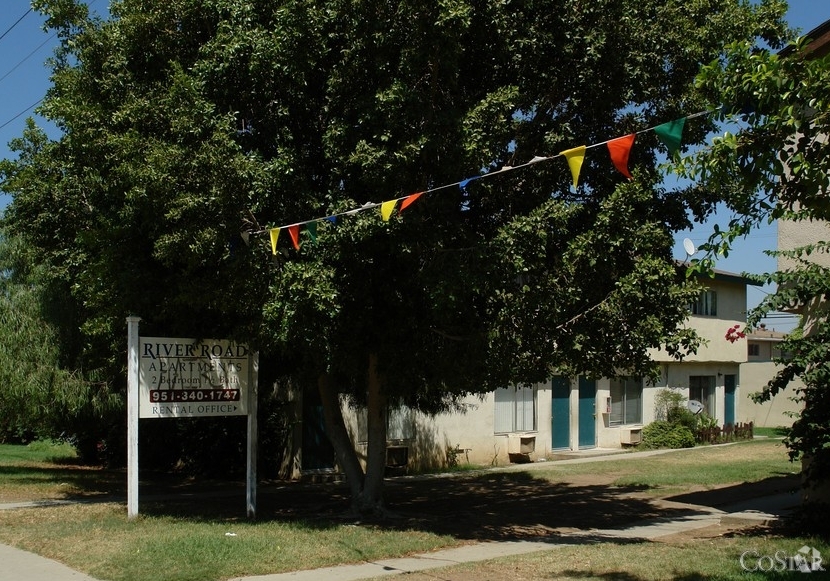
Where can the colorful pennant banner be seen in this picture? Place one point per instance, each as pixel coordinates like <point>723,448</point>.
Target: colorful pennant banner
<point>619,149</point>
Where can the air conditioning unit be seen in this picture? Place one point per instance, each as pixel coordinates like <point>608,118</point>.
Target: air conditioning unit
<point>520,447</point>
<point>631,436</point>
<point>397,456</point>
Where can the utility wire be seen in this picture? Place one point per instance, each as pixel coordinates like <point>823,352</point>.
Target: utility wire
<point>15,24</point>
<point>29,108</point>
<point>28,56</point>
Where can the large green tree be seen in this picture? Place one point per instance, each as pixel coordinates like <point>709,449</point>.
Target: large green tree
<point>42,398</point>
<point>773,165</point>
<point>187,122</point>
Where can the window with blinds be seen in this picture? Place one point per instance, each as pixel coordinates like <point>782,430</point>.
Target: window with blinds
<point>706,304</point>
<point>702,389</point>
<point>400,424</point>
<point>515,409</point>
<point>626,401</point>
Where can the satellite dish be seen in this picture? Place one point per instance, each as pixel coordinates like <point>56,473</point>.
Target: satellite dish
<point>694,406</point>
<point>689,247</point>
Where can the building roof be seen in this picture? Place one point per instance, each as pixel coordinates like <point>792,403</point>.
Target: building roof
<point>733,277</point>
<point>764,335</point>
<point>721,275</point>
<point>819,45</point>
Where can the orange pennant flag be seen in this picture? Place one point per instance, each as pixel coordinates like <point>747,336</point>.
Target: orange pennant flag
<point>619,149</point>
<point>386,209</point>
<point>294,231</point>
<point>275,234</point>
<point>575,158</point>
<point>407,201</point>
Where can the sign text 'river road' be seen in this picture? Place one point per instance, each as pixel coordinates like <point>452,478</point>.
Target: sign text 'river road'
<point>187,378</point>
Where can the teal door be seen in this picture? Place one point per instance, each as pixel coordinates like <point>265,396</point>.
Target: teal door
<point>729,382</point>
<point>560,428</point>
<point>318,453</point>
<point>587,413</point>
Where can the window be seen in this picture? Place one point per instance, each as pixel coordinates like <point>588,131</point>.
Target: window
<point>702,389</point>
<point>706,304</point>
<point>400,424</point>
<point>626,401</point>
<point>515,409</point>
<point>754,350</point>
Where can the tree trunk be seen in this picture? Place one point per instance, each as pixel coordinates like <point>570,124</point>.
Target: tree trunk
<point>371,499</point>
<point>366,489</point>
<point>339,436</point>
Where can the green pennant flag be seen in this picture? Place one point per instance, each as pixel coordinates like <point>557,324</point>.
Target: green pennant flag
<point>311,228</point>
<point>670,134</point>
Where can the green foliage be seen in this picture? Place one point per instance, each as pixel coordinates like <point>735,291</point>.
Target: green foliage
<point>667,402</point>
<point>670,406</point>
<point>40,399</point>
<point>663,434</point>
<point>186,123</point>
<point>775,166</point>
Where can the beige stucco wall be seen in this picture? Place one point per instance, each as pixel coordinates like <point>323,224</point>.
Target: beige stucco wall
<point>731,311</point>
<point>471,431</point>
<point>676,376</point>
<point>771,414</point>
<point>796,234</point>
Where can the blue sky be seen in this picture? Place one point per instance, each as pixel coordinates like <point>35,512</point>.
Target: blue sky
<point>24,79</point>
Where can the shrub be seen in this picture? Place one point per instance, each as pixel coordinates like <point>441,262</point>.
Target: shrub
<point>666,403</point>
<point>663,434</point>
<point>684,417</point>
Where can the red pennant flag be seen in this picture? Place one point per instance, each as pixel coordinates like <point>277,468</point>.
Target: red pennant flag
<point>407,201</point>
<point>294,232</point>
<point>619,149</point>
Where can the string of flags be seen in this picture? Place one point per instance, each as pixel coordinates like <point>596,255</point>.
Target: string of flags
<point>619,148</point>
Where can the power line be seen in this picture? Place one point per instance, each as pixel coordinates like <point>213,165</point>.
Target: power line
<point>28,56</point>
<point>29,108</point>
<point>15,24</point>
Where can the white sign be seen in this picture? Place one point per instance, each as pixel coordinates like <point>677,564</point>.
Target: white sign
<point>191,378</point>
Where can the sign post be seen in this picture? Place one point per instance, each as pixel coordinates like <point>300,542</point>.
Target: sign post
<point>253,442</point>
<point>188,378</point>
<point>132,416</point>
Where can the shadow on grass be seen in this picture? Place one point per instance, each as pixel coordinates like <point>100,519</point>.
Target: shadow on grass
<point>480,507</point>
<point>727,495</point>
<point>76,481</point>
<point>468,506</point>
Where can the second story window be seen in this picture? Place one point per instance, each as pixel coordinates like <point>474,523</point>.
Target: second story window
<point>754,350</point>
<point>706,304</point>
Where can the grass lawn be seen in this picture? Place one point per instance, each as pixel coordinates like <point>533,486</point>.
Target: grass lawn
<point>50,471</point>
<point>680,470</point>
<point>779,432</point>
<point>197,540</point>
<point>703,559</point>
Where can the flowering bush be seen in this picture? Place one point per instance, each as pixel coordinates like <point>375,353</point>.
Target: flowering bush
<point>734,333</point>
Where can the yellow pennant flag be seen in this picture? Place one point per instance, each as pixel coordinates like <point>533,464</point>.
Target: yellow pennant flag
<point>386,209</point>
<point>275,234</point>
<point>575,158</point>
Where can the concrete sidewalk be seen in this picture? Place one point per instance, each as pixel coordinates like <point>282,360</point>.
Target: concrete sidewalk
<point>17,565</point>
<point>760,510</point>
